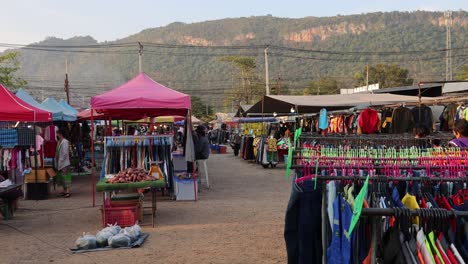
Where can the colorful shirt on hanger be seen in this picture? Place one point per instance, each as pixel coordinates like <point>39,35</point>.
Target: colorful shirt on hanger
<point>323,119</point>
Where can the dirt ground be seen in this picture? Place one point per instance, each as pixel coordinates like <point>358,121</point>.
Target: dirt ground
<point>239,220</point>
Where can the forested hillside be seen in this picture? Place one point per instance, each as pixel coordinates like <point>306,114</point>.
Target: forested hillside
<point>406,36</point>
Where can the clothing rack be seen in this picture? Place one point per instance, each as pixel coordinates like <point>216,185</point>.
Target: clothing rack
<point>361,140</point>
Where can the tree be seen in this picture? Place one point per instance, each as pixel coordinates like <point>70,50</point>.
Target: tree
<point>9,64</point>
<point>200,109</point>
<point>462,74</point>
<point>249,89</point>
<point>325,85</point>
<point>385,75</point>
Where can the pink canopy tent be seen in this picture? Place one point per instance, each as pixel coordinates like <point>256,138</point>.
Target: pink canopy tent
<point>141,97</point>
<point>138,98</point>
<point>15,109</point>
<point>86,115</point>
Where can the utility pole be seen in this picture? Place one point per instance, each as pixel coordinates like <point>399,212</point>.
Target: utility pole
<point>448,45</point>
<point>42,95</point>
<point>367,77</point>
<point>67,87</point>
<point>267,78</point>
<point>279,84</point>
<point>318,89</point>
<point>140,51</point>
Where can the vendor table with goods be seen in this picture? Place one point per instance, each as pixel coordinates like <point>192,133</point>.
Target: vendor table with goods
<point>7,194</point>
<point>103,186</point>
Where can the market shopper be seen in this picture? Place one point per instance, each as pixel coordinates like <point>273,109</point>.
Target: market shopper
<point>460,131</point>
<point>62,164</point>
<point>202,146</point>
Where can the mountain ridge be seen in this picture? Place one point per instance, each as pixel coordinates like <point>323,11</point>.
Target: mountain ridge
<point>185,68</point>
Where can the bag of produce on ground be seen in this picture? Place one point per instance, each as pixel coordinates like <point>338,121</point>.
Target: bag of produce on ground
<point>114,229</point>
<point>120,240</point>
<point>86,242</point>
<point>102,238</point>
<point>133,232</point>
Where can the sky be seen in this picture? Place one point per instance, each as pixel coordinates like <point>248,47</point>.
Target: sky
<point>28,21</point>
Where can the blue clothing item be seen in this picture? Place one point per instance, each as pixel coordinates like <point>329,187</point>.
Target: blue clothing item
<point>346,215</point>
<point>396,198</point>
<point>310,223</point>
<point>334,250</point>
<point>323,119</point>
<point>303,226</point>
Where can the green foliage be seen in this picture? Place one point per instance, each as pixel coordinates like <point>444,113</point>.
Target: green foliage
<point>462,74</point>
<point>9,65</point>
<point>200,109</point>
<point>386,75</point>
<point>325,85</point>
<point>249,89</point>
<point>200,72</point>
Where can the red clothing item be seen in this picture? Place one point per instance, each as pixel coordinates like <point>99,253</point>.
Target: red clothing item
<point>442,253</point>
<point>443,203</point>
<point>369,121</point>
<point>423,203</point>
<point>451,257</point>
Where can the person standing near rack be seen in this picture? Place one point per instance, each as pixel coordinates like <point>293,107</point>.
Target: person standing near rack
<point>460,131</point>
<point>62,164</point>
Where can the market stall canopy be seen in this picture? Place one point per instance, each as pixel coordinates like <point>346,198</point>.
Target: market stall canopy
<point>25,96</point>
<point>68,107</point>
<point>58,112</point>
<point>141,97</point>
<point>195,121</point>
<point>86,115</point>
<point>15,109</point>
<point>282,104</point>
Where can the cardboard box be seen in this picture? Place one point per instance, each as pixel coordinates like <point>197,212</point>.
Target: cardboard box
<point>42,176</point>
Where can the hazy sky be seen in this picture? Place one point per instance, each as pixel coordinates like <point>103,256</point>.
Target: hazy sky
<point>27,21</point>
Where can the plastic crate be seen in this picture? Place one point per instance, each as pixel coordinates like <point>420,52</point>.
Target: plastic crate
<point>121,215</point>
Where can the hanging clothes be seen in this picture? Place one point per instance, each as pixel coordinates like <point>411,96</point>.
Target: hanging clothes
<point>386,120</point>
<point>447,118</point>
<point>402,120</point>
<point>426,121</point>
<point>369,121</point>
<point>323,119</point>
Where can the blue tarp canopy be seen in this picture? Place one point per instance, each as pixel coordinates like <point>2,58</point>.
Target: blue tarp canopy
<point>68,107</point>
<point>25,96</point>
<point>59,113</point>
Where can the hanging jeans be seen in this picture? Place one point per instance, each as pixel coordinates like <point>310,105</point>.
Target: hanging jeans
<point>303,227</point>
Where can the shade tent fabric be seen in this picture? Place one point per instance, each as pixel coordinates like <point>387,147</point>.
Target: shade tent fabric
<point>86,115</point>
<point>15,109</point>
<point>58,112</point>
<point>68,107</point>
<point>282,104</point>
<point>25,96</point>
<point>141,97</point>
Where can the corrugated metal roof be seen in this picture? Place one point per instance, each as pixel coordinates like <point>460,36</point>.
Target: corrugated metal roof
<point>455,87</point>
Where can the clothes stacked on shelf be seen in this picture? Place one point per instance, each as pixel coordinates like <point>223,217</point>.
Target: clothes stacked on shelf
<point>123,152</point>
<point>361,203</point>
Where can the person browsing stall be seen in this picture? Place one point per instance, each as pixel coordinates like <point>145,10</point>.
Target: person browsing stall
<point>202,146</point>
<point>460,131</point>
<point>62,164</point>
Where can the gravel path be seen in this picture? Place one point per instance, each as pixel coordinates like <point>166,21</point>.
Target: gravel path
<point>239,220</point>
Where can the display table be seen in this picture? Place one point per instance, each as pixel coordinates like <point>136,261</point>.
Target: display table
<point>104,187</point>
<point>5,196</point>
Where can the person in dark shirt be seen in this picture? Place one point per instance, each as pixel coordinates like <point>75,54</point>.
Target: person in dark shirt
<point>202,146</point>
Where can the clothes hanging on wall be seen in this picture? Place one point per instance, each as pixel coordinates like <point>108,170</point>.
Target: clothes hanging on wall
<point>323,119</point>
<point>447,118</point>
<point>369,121</point>
<point>402,120</point>
<point>386,120</point>
<point>427,119</point>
